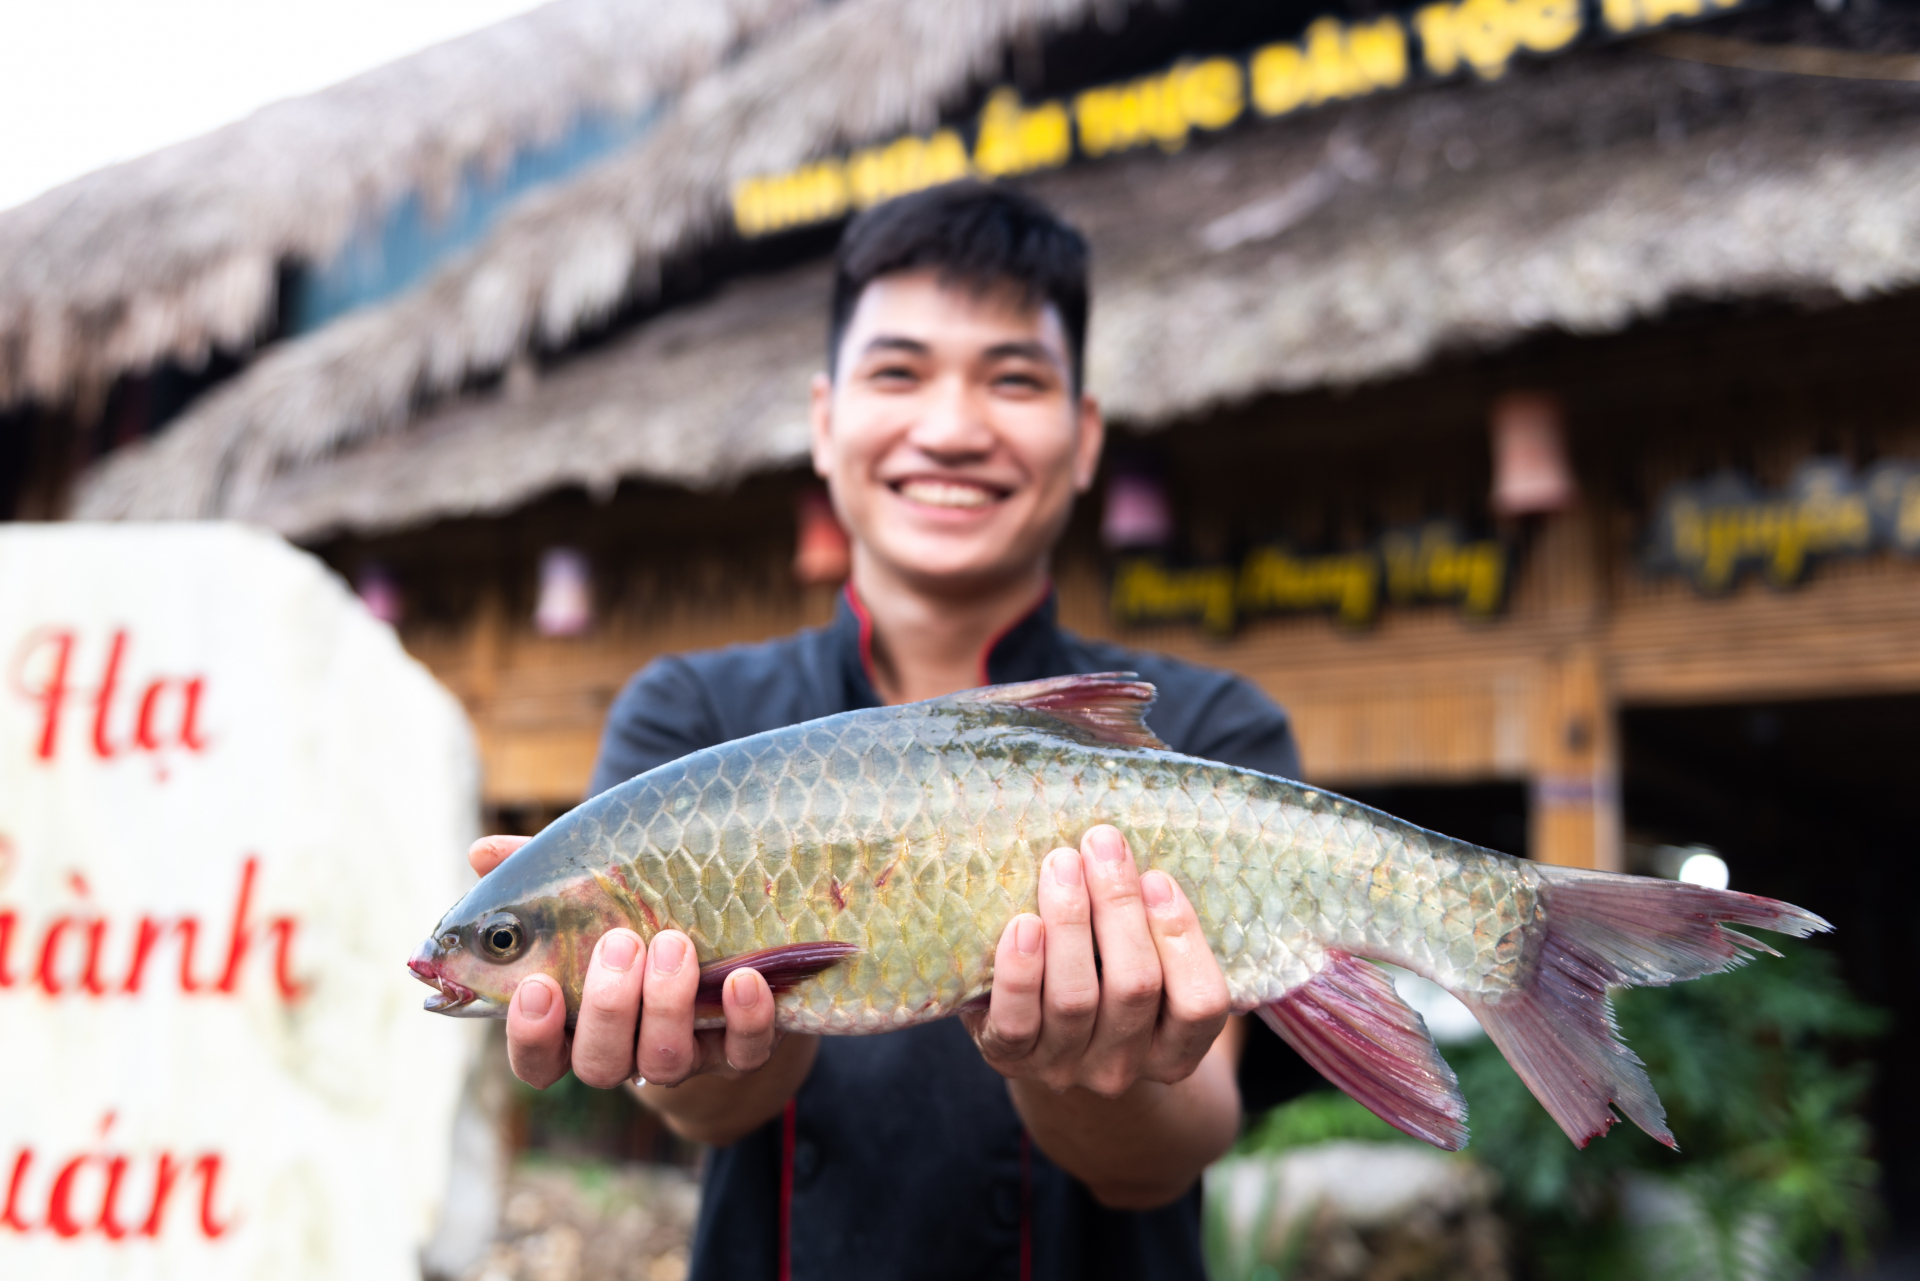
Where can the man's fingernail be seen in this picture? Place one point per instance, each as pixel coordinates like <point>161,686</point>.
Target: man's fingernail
<point>745,991</point>
<point>618,950</point>
<point>1066,869</point>
<point>668,951</point>
<point>1157,889</point>
<point>535,1000</point>
<point>1108,846</point>
<point>1026,935</point>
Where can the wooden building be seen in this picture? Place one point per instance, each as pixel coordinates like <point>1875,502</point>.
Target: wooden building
<point>1625,318</point>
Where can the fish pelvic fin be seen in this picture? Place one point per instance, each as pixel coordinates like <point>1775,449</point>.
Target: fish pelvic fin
<point>1350,1024</point>
<point>1602,930</point>
<point>784,968</point>
<point>1110,707</point>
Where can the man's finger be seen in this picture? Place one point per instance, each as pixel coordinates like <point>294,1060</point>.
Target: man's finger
<point>1012,1025</point>
<point>490,852</point>
<point>1196,998</point>
<point>748,1003</point>
<point>609,1009</point>
<point>668,1055</point>
<point>1070,988</point>
<point>537,1032</point>
<point>1129,965</point>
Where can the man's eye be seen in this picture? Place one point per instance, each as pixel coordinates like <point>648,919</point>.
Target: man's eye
<point>1019,382</point>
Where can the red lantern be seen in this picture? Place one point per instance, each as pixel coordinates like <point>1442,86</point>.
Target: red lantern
<point>821,552</point>
<point>1531,473</point>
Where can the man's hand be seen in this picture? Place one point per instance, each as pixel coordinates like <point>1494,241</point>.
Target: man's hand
<point>1150,1010</point>
<point>612,1043</point>
<point>1120,1070</point>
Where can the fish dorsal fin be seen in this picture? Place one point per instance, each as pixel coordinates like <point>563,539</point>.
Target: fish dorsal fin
<point>1111,707</point>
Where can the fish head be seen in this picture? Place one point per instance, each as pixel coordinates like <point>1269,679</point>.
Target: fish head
<point>525,917</point>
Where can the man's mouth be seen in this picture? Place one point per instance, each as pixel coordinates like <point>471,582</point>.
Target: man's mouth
<point>448,995</point>
<point>958,494</point>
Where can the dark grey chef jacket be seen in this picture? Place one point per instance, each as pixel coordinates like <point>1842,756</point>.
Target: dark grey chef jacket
<point>902,1155</point>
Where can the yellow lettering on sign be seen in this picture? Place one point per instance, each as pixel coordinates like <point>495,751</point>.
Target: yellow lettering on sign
<point>1436,565</point>
<point>1331,62</point>
<point>1712,542</point>
<point>1638,15</point>
<point>1161,109</point>
<point>1273,580</point>
<point>1485,34</point>
<point>811,193</point>
<point>909,164</point>
<point>1016,139</point>
<point>1144,591</point>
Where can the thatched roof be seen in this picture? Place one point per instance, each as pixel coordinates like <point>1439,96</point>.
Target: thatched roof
<point>1351,244</point>
<point>175,253</point>
<point>563,260</point>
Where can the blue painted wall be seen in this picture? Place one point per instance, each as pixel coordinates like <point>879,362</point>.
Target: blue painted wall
<point>381,260</point>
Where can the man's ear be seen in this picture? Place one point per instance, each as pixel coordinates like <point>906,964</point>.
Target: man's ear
<point>1086,450</point>
<point>820,424</point>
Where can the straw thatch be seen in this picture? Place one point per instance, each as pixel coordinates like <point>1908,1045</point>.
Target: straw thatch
<point>860,69</point>
<point>176,253</point>
<point>1347,245</point>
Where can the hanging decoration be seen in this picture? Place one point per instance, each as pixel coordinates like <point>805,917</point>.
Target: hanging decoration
<point>821,552</point>
<point>1137,512</point>
<point>565,606</point>
<point>1531,474</point>
<point>379,591</point>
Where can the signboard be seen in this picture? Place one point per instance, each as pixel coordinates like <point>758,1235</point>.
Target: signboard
<point>229,803</point>
<point>1717,530</point>
<point>1431,563</point>
<point>1332,61</point>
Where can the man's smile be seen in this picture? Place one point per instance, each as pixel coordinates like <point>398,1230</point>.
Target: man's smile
<point>929,491</point>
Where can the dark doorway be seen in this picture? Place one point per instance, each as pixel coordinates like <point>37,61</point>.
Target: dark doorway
<point>1816,802</point>
<point>1489,814</point>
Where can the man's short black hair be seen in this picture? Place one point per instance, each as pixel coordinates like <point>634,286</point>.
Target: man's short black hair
<point>976,235</point>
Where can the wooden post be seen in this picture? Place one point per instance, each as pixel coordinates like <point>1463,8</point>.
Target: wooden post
<point>1576,793</point>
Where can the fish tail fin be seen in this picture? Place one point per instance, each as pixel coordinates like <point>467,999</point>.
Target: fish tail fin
<point>1601,930</point>
<point>1352,1027</point>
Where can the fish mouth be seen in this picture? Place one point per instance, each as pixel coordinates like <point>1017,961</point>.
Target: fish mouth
<point>449,997</point>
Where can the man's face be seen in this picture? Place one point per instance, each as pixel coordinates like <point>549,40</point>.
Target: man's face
<point>951,435</point>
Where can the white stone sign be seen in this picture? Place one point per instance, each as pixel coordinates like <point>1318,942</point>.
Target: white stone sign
<point>229,806</point>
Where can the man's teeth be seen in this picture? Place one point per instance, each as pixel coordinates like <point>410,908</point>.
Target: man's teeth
<point>939,493</point>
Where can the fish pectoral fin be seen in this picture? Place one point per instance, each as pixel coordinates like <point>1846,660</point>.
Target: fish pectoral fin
<point>784,967</point>
<point>1349,1023</point>
<point>1110,707</point>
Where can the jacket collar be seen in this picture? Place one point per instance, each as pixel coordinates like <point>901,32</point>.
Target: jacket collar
<point>1027,650</point>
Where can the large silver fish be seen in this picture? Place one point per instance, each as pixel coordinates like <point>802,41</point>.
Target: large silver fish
<point>867,863</point>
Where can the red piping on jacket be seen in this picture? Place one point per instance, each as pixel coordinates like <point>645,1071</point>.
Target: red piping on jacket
<point>859,609</point>
<point>786,1190</point>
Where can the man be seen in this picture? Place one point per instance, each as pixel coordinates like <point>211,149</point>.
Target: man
<point>1062,1131</point>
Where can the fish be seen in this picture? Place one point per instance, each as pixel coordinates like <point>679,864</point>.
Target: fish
<point>867,863</point>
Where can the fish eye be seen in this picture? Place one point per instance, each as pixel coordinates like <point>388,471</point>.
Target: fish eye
<point>501,937</point>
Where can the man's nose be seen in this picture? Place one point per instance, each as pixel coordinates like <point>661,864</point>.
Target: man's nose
<point>953,422</point>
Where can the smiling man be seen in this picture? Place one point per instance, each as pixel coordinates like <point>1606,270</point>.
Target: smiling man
<point>1061,1132</point>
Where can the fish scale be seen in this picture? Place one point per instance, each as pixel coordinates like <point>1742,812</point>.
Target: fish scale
<point>867,864</point>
